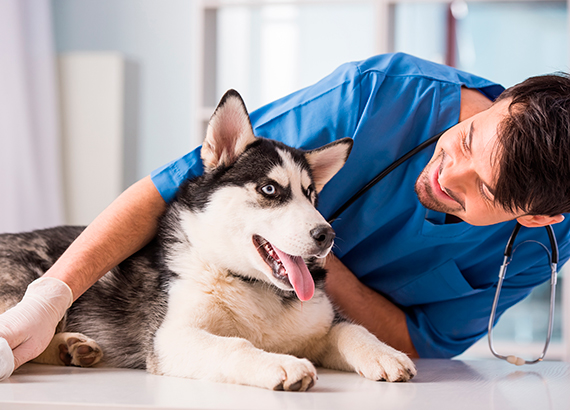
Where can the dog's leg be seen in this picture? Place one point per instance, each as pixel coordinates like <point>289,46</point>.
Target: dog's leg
<point>66,349</point>
<point>350,347</point>
<point>197,354</point>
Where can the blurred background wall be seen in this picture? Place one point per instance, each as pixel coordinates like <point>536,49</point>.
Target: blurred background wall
<point>179,56</point>
<point>155,40</point>
<point>95,94</point>
<point>267,50</point>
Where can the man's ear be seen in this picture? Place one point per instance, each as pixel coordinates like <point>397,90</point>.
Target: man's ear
<point>537,221</point>
<point>327,160</point>
<point>229,132</point>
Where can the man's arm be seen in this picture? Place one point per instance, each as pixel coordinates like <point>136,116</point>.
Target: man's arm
<point>123,228</point>
<point>367,307</point>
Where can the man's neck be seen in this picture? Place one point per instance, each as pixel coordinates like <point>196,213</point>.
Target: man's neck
<point>472,102</point>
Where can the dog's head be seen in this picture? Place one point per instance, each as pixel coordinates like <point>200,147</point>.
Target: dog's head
<point>258,217</point>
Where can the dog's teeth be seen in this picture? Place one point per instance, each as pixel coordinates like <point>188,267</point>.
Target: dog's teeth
<point>270,251</point>
<point>272,258</point>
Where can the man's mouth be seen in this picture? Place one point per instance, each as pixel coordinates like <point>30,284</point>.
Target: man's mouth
<point>439,191</point>
<point>288,269</point>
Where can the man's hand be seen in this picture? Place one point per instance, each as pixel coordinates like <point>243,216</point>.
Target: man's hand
<point>27,328</point>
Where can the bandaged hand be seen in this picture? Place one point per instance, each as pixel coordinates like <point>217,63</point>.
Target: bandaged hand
<point>27,328</point>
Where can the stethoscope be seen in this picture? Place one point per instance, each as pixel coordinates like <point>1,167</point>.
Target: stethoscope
<point>509,251</point>
<point>553,261</point>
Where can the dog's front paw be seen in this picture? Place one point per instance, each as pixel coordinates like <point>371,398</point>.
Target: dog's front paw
<point>291,374</point>
<point>78,350</point>
<point>380,362</point>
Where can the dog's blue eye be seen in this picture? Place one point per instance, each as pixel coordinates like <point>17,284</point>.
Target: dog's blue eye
<point>268,190</point>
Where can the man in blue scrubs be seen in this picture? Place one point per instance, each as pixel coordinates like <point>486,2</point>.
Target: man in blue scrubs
<point>440,275</point>
<point>417,257</point>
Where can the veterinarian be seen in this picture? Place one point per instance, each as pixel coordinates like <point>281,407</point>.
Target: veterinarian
<point>417,257</point>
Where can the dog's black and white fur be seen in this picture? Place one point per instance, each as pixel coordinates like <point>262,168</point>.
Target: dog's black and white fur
<point>222,293</point>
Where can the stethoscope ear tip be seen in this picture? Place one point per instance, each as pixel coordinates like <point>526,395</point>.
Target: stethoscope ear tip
<point>517,361</point>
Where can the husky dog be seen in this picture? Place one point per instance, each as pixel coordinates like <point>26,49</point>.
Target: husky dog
<point>223,292</point>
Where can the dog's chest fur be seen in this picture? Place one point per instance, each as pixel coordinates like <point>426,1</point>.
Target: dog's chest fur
<point>226,305</point>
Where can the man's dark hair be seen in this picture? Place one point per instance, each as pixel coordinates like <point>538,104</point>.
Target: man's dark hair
<point>534,147</point>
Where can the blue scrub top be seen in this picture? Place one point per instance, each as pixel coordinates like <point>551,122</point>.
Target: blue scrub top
<point>442,276</point>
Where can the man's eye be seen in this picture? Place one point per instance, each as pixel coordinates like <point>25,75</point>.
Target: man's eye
<point>464,142</point>
<point>486,193</point>
<point>268,189</point>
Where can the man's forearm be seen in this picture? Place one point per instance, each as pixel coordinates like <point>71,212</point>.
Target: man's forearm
<point>128,224</point>
<point>367,307</point>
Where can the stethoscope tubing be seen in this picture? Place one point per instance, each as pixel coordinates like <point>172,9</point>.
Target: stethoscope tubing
<point>553,261</point>
<point>381,175</point>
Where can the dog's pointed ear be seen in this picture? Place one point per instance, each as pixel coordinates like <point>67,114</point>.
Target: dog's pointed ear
<point>327,160</point>
<point>229,132</point>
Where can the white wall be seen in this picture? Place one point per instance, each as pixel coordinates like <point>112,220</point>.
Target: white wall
<point>155,38</point>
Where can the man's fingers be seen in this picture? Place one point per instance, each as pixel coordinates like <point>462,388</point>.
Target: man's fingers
<point>6,359</point>
<point>26,351</point>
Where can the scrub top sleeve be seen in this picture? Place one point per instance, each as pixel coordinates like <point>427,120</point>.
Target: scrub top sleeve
<point>446,329</point>
<point>168,178</point>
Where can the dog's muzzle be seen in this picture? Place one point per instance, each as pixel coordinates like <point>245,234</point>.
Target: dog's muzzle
<point>288,269</point>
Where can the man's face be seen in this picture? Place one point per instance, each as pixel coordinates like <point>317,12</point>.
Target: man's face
<point>461,176</point>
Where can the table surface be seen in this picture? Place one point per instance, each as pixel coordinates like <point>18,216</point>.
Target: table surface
<point>440,384</point>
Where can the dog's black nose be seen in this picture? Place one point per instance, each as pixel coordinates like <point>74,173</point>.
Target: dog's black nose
<point>323,236</point>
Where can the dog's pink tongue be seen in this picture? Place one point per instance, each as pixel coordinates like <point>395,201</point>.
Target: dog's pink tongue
<point>299,275</point>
